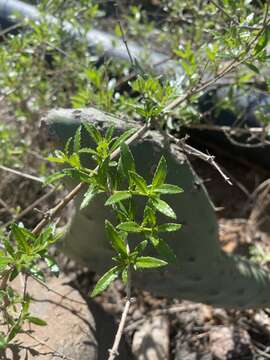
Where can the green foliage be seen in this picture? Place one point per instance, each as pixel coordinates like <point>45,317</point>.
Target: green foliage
<point>22,253</point>
<point>107,177</point>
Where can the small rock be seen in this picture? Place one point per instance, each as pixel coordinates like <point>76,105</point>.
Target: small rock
<point>151,341</point>
<point>229,342</point>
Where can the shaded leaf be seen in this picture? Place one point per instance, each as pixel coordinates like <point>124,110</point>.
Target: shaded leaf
<point>165,251</point>
<point>160,173</point>
<point>93,132</point>
<point>117,241</point>
<point>37,321</point>
<point>127,160</point>
<point>77,140</point>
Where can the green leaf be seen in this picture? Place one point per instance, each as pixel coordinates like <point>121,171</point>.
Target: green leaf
<point>109,133</point>
<point>124,276</point>
<point>105,281</point>
<point>67,146</point>
<point>164,208</point>
<point>149,216</point>
<point>139,182</point>
<point>141,247</point>
<point>3,340</point>
<point>130,226</point>
<point>77,140</point>
<point>4,261</point>
<point>87,151</point>
<point>37,321</point>
<point>252,67</point>
<point>117,241</point>
<point>93,131</point>
<point>127,160</point>
<point>149,262</point>
<point>20,238</point>
<point>116,143</point>
<point>165,251</point>
<point>103,171</point>
<point>160,173</point>
<point>54,177</point>
<point>169,227</point>
<point>74,160</point>
<point>88,196</point>
<point>118,196</point>
<point>168,189</point>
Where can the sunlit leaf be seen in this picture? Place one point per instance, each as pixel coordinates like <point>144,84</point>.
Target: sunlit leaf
<point>105,281</point>
<point>149,262</point>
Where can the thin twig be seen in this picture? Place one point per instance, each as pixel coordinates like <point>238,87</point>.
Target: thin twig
<point>31,207</point>
<point>22,174</point>
<point>210,159</point>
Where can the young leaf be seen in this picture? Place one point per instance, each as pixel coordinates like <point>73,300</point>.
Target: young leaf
<point>87,151</point>
<point>127,160</point>
<point>168,189</point>
<point>115,238</point>
<point>149,262</point>
<point>77,140</point>
<point>140,247</point>
<point>122,138</point>
<point>164,208</point>
<point>165,251</point>
<point>130,226</point>
<point>93,131</point>
<point>67,146</point>
<point>169,227</point>
<point>54,177</point>
<point>118,196</point>
<point>20,238</point>
<point>139,182</point>
<point>4,261</point>
<point>105,281</point>
<point>37,321</point>
<point>109,133</point>
<point>160,173</point>
<point>125,276</point>
<point>88,197</point>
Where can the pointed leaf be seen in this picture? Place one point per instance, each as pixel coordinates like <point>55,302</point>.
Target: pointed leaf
<point>54,177</point>
<point>77,140</point>
<point>168,189</point>
<point>117,241</point>
<point>109,133</point>
<point>139,182</point>
<point>93,131</point>
<point>160,173</point>
<point>129,226</point>
<point>4,261</point>
<point>105,281</point>
<point>169,227</point>
<point>20,238</point>
<point>164,208</point>
<point>127,160</point>
<point>122,138</point>
<point>149,262</point>
<point>37,321</point>
<point>118,196</point>
<point>165,251</point>
<point>88,196</point>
